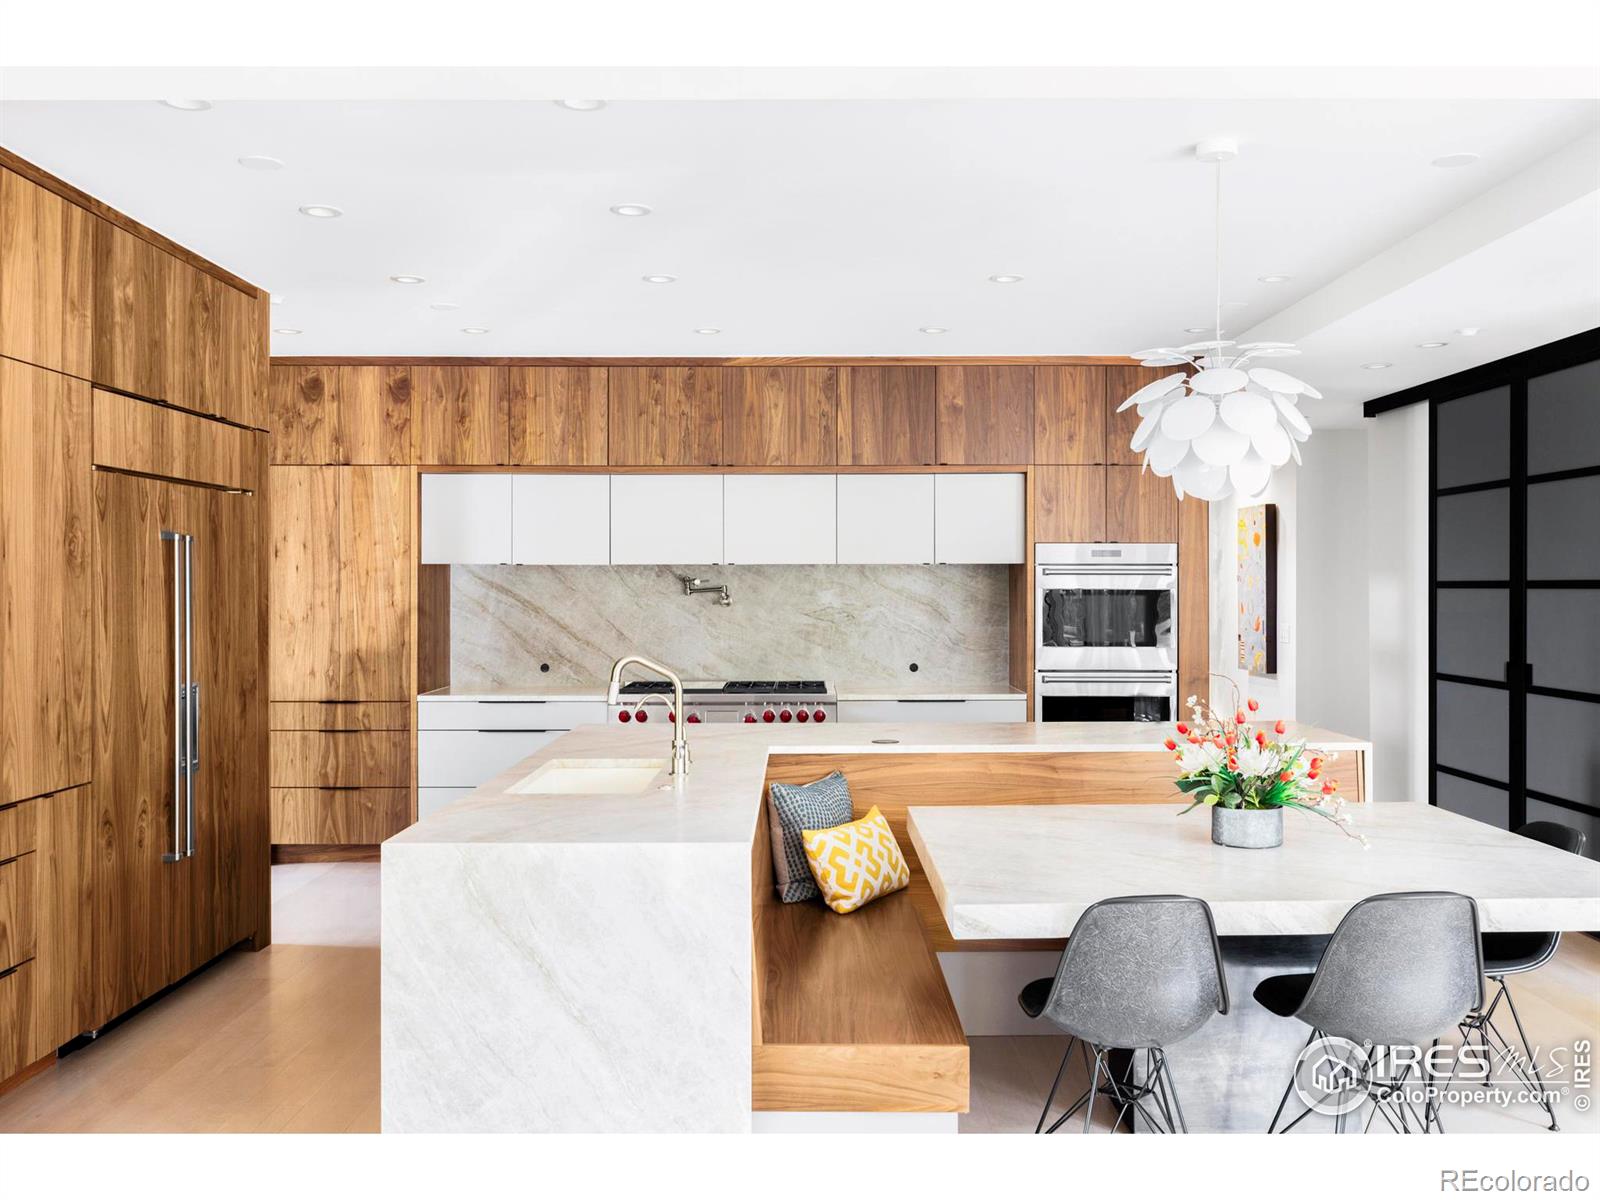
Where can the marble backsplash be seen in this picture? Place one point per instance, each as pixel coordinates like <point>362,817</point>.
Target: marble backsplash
<point>857,625</point>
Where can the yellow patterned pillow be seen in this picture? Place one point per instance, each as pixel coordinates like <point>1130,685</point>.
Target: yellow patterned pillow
<point>857,862</point>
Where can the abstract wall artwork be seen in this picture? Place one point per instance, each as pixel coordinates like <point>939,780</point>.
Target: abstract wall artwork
<point>1258,589</point>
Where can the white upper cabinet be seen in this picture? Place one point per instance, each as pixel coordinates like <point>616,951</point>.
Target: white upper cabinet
<point>979,518</point>
<point>666,519</point>
<point>886,518</point>
<point>466,518</point>
<point>779,519</point>
<point>561,520</point>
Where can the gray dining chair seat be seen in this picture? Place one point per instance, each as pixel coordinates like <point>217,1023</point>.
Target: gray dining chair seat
<point>1034,996</point>
<point>1138,974</point>
<point>1513,953</point>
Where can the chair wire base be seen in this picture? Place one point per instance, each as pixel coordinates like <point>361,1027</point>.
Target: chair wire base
<point>1387,1095</point>
<point>1155,1097</point>
<point>1500,1052</point>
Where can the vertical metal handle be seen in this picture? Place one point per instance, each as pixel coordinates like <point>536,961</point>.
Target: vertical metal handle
<point>192,695</point>
<point>179,699</point>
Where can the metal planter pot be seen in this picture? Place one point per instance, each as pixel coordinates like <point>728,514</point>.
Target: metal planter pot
<point>1247,828</point>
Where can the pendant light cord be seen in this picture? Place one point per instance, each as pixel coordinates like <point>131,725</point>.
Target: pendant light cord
<point>1217,350</point>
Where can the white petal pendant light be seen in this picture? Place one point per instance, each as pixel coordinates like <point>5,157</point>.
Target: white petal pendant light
<point>1223,425</point>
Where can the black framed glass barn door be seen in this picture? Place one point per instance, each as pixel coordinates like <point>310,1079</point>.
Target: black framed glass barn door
<point>1562,718</point>
<point>1516,619</point>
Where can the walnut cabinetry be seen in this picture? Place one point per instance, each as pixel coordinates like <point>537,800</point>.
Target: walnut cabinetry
<point>166,330</point>
<point>558,416</point>
<point>985,415</point>
<point>1069,504</point>
<point>46,278</point>
<point>1122,382</point>
<point>1069,414</point>
<point>341,414</point>
<point>460,415</point>
<point>1140,506</point>
<point>782,416</point>
<point>887,416</point>
<point>343,545</point>
<point>668,416</point>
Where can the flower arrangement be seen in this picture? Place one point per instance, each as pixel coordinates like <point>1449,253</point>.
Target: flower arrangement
<point>1226,761</point>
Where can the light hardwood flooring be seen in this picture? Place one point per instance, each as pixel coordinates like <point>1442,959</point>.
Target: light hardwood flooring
<point>287,1040</point>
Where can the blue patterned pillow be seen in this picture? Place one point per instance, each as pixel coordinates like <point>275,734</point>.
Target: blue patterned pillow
<point>819,805</point>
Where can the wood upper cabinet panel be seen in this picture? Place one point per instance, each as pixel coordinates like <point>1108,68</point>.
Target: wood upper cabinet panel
<point>886,416</point>
<point>558,416</point>
<point>782,417</point>
<point>240,328</point>
<point>304,415</point>
<point>459,413</point>
<point>376,550</point>
<point>667,416</point>
<point>1122,382</point>
<point>1140,506</point>
<point>131,282</point>
<point>985,416</point>
<point>1069,414</point>
<point>304,584</point>
<point>152,439</point>
<point>46,278</point>
<point>373,416</point>
<point>1069,504</point>
<point>46,518</point>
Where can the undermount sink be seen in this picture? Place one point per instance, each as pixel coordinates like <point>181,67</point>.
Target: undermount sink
<point>591,777</point>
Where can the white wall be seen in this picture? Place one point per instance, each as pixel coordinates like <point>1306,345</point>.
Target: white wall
<point>1333,689</point>
<point>1275,692</point>
<point>1397,580</point>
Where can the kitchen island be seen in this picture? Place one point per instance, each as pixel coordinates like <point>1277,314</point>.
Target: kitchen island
<point>591,959</point>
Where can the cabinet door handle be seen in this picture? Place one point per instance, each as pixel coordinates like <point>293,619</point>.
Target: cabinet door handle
<point>180,719</point>
<point>192,722</point>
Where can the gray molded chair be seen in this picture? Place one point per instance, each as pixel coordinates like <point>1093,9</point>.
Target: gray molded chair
<point>1512,954</point>
<point>1401,969</point>
<point>1138,973</point>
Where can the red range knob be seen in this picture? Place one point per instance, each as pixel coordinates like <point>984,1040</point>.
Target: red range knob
<point>802,716</point>
<point>624,716</point>
<point>786,716</point>
<point>768,716</point>
<point>671,717</point>
<point>749,718</point>
<point>641,716</point>
<point>820,716</point>
<point>693,718</point>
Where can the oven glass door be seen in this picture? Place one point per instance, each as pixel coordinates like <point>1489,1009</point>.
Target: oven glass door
<point>1077,617</point>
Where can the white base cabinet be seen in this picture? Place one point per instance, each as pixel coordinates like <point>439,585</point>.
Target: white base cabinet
<point>934,711</point>
<point>431,799</point>
<point>463,744</point>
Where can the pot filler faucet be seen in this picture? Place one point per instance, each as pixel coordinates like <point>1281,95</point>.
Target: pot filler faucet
<point>680,737</point>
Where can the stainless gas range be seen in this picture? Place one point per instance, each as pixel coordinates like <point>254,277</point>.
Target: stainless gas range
<point>750,701</point>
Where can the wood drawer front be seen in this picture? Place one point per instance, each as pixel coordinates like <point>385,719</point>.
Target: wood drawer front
<point>16,1020</point>
<point>362,714</point>
<point>131,435</point>
<point>469,757</point>
<point>367,758</point>
<point>517,714</point>
<point>338,816</point>
<point>16,911</point>
<point>19,828</point>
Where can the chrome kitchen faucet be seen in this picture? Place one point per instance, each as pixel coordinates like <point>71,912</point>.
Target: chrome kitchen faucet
<point>680,722</point>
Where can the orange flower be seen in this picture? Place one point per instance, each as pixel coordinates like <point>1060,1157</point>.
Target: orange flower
<point>1182,728</point>
<point>1229,740</point>
<point>1280,728</point>
<point>1329,788</point>
<point>1238,717</point>
<point>1252,704</point>
<point>1170,744</point>
<point>1316,764</point>
<point>1311,774</point>
<point>1261,739</point>
<point>1284,776</point>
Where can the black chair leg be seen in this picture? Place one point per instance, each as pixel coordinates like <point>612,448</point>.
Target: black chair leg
<point>1060,1073</point>
<point>1288,1087</point>
<point>1527,1057</point>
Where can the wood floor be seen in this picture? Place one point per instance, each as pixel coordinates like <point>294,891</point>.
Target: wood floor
<point>287,1040</point>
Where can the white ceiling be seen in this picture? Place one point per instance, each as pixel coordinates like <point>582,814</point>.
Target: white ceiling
<point>839,227</point>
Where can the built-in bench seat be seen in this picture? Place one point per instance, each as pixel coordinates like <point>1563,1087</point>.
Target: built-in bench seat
<point>852,1013</point>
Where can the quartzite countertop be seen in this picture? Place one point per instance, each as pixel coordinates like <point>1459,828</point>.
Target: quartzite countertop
<point>561,963</point>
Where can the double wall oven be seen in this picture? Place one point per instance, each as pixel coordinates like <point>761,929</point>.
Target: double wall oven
<point>1106,632</point>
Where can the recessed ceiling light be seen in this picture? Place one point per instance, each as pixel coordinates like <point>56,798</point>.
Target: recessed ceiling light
<point>261,162</point>
<point>631,210</point>
<point>933,329</point>
<point>444,306</point>
<point>407,279</point>
<point>474,329</point>
<point>708,331</point>
<point>1236,304</point>
<point>321,210</point>
<point>1376,366</point>
<point>188,105</point>
<point>1431,345</point>
<point>1455,160</point>
<point>1196,329</point>
<point>581,105</point>
<point>279,299</point>
<point>1273,278</point>
<point>1005,279</point>
<point>287,332</point>
<point>661,279</point>
<point>1469,331</point>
